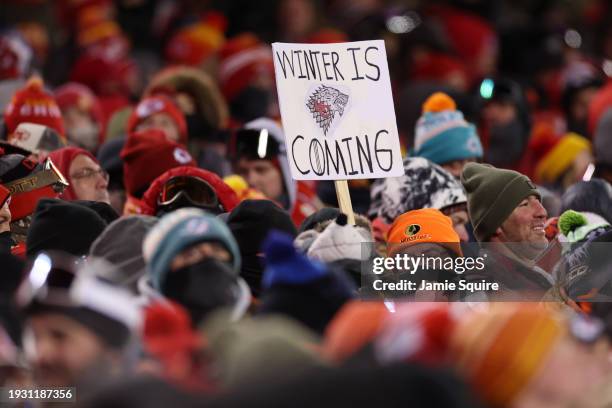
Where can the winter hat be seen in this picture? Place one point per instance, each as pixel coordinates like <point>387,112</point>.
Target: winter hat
<point>602,138</point>
<point>584,269</point>
<point>104,210</point>
<point>167,332</point>
<point>442,135</point>
<point>62,225</point>
<point>195,43</point>
<point>16,56</point>
<point>423,185</point>
<point>355,325</point>
<point>278,135</point>
<point>593,196</point>
<point>340,241</point>
<point>37,139</point>
<point>300,288</point>
<point>121,245</point>
<point>499,350</point>
<point>250,223</point>
<point>242,59</point>
<point>322,215</point>
<point>492,196</point>
<point>252,220</point>
<point>261,350</point>
<point>577,226</point>
<point>33,104</point>
<point>180,230</point>
<point>560,157</point>
<point>158,104</point>
<point>416,333</point>
<point>63,158</point>
<point>420,226</point>
<point>146,147</point>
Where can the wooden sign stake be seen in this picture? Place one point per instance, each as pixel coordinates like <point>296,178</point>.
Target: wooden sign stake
<point>344,200</point>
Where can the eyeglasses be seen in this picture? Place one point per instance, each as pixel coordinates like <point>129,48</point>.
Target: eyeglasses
<point>90,173</point>
<point>183,191</point>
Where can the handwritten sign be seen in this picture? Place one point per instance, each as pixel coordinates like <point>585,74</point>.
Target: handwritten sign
<point>337,110</point>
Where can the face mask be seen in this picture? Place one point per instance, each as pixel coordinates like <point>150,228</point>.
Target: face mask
<point>252,103</point>
<point>202,287</point>
<point>85,136</point>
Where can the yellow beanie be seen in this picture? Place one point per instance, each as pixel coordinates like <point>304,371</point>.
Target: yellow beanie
<point>500,350</point>
<point>560,157</point>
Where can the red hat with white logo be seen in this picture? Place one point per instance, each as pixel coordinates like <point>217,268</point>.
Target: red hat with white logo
<point>158,104</point>
<point>146,155</point>
<point>33,104</point>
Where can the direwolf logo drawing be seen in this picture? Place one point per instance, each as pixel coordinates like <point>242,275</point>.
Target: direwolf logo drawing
<point>324,103</point>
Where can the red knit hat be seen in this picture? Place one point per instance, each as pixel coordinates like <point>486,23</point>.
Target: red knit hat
<point>167,331</point>
<point>242,59</point>
<point>192,45</point>
<point>32,104</point>
<point>158,104</point>
<point>62,159</point>
<point>146,155</point>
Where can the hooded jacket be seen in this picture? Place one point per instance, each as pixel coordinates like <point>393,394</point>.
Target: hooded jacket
<point>302,199</point>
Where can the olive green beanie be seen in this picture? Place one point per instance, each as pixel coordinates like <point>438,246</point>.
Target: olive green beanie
<point>492,195</point>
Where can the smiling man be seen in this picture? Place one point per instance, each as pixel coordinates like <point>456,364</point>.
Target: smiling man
<point>508,217</point>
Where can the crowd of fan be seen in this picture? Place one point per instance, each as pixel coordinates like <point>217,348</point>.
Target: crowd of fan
<point>151,254</point>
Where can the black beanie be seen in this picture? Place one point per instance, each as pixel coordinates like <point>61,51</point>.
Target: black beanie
<point>103,209</point>
<point>63,225</point>
<point>593,196</point>
<point>322,215</point>
<point>252,220</point>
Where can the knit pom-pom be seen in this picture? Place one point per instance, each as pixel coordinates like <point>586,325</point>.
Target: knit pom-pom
<point>35,82</point>
<point>439,102</point>
<point>570,220</point>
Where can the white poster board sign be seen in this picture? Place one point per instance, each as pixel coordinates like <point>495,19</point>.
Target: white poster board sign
<point>337,110</point>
